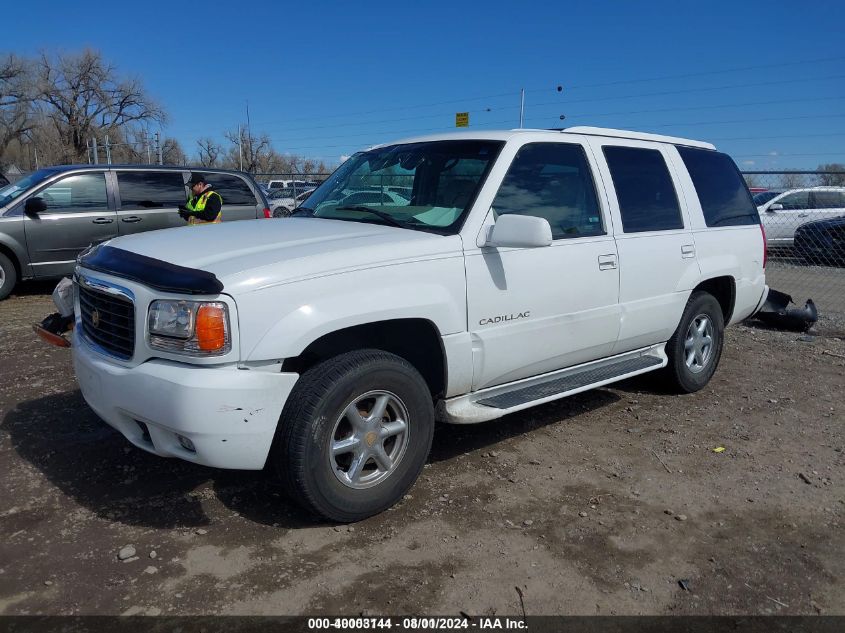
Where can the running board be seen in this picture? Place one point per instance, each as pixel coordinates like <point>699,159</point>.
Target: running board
<point>495,402</point>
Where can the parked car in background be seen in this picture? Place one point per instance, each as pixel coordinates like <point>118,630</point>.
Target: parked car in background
<point>283,201</point>
<point>762,197</point>
<point>50,216</point>
<point>784,213</point>
<point>299,185</point>
<point>821,242</point>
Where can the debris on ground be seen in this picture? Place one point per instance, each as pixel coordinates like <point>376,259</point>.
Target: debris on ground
<point>777,313</point>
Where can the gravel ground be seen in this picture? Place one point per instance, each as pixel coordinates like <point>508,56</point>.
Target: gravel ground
<point>610,502</point>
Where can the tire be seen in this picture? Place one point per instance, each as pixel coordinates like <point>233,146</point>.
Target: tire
<point>685,375</point>
<point>8,276</point>
<point>319,415</point>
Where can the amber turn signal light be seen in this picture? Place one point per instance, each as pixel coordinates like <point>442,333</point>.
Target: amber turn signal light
<point>211,328</point>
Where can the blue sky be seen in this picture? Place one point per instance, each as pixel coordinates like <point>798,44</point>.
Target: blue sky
<point>765,81</point>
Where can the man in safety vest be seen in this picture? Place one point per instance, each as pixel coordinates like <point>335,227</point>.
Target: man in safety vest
<point>205,206</point>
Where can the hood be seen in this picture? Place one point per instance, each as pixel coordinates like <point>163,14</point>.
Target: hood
<point>253,254</point>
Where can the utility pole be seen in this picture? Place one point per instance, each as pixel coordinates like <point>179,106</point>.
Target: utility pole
<point>149,153</point>
<point>108,151</point>
<point>159,152</point>
<point>521,107</point>
<point>35,147</point>
<point>241,145</point>
<point>249,135</point>
<point>96,154</point>
<point>88,150</point>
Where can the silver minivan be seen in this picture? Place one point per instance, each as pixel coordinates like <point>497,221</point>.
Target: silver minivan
<point>50,216</point>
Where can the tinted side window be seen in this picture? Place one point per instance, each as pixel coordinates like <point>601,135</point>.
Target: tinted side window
<point>83,192</point>
<point>721,189</point>
<point>828,200</point>
<point>232,189</point>
<point>795,201</point>
<point>552,181</point>
<point>644,188</point>
<point>151,190</point>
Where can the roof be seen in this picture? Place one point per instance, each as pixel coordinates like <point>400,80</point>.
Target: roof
<point>62,168</point>
<point>504,135</point>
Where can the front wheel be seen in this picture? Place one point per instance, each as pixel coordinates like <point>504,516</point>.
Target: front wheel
<point>354,434</point>
<point>696,346</point>
<point>8,276</point>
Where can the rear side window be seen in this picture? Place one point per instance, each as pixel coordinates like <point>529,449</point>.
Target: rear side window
<point>232,189</point>
<point>647,199</point>
<point>151,190</point>
<point>828,200</point>
<point>552,181</point>
<point>724,198</point>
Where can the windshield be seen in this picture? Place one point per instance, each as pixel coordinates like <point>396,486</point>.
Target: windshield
<point>12,191</point>
<point>425,186</point>
<point>764,196</point>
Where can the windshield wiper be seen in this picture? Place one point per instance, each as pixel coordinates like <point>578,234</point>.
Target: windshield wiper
<point>388,219</point>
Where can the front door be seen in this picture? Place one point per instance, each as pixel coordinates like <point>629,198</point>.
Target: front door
<point>535,310</point>
<point>78,214</point>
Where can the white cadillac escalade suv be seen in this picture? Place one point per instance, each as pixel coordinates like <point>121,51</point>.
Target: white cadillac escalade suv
<point>461,277</point>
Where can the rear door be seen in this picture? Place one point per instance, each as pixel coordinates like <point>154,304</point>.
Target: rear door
<point>149,200</point>
<point>657,261</point>
<point>240,202</point>
<point>826,204</point>
<point>79,212</point>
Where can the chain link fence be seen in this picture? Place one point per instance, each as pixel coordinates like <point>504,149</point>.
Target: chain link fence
<point>803,214</point>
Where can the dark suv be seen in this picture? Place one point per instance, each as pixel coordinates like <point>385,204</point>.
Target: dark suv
<point>49,217</point>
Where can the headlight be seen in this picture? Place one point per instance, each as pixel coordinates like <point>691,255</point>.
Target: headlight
<point>198,328</point>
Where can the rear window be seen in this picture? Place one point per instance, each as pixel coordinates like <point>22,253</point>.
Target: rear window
<point>647,199</point>
<point>725,199</point>
<point>232,189</point>
<point>151,190</point>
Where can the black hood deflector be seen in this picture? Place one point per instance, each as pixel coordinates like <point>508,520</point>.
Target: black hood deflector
<point>151,272</point>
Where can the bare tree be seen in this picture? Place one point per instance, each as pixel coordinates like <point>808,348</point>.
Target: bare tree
<point>792,180</point>
<point>255,150</point>
<point>171,152</point>
<point>15,101</point>
<point>832,179</point>
<point>208,152</point>
<point>82,94</point>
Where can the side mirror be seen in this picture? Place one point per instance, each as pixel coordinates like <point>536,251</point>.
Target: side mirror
<point>34,206</point>
<point>777,206</point>
<point>520,231</point>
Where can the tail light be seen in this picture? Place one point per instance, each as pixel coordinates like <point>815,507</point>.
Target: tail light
<point>765,245</point>
<point>268,213</point>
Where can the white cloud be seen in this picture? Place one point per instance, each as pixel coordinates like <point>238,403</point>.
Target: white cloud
<point>749,163</point>
<point>774,153</point>
<point>344,158</point>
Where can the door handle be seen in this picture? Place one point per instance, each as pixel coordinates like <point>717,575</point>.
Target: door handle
<point>607,262</point>
<point>687,251</point>
<point>103,221</point>
<point>131,219</point>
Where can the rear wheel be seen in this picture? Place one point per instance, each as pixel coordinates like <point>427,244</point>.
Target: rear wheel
<point>354,434</point>
<point>696,346</point>
<point>8,276</point>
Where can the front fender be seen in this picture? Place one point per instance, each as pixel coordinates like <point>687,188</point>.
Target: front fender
<point>280,322</point>
<point>13,237</point>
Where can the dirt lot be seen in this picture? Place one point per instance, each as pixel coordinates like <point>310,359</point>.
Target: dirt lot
<point>599,504</point>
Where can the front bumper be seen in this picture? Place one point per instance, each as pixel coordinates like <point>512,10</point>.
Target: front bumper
<point>228,414</point>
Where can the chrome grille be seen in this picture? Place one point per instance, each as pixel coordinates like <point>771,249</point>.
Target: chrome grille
<point>108,321</point>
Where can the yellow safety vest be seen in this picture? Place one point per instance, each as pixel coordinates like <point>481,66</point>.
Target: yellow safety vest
<point>198,204</point>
